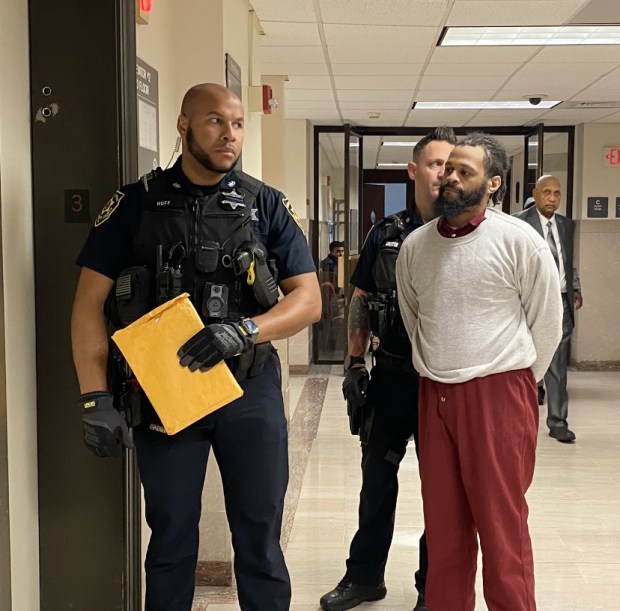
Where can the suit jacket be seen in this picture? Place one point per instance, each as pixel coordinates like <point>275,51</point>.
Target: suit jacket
<point>566,231</point>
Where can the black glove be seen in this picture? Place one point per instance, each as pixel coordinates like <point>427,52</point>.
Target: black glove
<point>213,344</point>
<point>354,390</point>
<point>355,386</point>
<point>105,429</point>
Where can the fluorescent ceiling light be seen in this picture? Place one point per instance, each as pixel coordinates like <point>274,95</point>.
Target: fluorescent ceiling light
<point>392,165</point>
<point>535,35</point>
<point>518,104</point>
<point>407,144</point>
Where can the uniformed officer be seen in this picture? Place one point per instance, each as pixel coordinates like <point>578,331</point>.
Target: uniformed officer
<point>383,406</point>
<point>197,227</point>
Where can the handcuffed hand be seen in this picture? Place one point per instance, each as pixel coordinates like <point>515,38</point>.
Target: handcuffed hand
<point>355,386</point>
<point>213,344</point>
<point>105,429</point>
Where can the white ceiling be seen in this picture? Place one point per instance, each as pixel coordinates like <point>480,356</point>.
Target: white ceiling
<point>347,58</point>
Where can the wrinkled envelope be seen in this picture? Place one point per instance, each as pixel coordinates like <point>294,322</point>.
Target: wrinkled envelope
<point>150,344</point>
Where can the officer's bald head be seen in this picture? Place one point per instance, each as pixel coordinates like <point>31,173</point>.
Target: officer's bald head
<point>205,95</point>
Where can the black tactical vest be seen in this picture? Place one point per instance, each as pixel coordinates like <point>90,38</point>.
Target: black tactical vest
<point>193,244</point>
<point>385,319</point>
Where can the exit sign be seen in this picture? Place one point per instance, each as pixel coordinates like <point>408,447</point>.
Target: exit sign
<point>611,156</point>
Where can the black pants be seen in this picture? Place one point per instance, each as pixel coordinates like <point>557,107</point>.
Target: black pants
<point>249,440</point>
<point>393,397</point>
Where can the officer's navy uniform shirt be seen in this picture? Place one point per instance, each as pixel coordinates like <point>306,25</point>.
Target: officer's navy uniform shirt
<point>109,248</point>
<point>362,276</point>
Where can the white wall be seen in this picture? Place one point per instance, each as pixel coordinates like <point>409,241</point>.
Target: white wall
<point>596,338</point>
<point>296,151</point>
<point>19,316</point>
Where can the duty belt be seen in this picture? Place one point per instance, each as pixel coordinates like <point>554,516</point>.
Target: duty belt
<point>393,364</point>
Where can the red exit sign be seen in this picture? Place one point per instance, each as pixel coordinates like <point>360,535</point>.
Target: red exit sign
<point>611,156</point>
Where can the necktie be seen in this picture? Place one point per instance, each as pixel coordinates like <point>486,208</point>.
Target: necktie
<point>552,245</point>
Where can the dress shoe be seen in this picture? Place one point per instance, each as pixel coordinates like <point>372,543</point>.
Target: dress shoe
<point>420,606</point>
<point>541,395</point>
<point>347,595</point>
<point>564,435</point>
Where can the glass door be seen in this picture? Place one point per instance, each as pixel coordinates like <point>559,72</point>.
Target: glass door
<point>533,160</point>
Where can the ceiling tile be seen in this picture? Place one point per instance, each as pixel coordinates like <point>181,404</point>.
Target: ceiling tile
<point>615,118</point>
<point>468,69</point>
<point>284,10</point>
<point>289,34</point>
<point>483,55</point>
<point>390,95</point>
<point>390,36</point>
<point>369,105</point>
<point>302,55</point>
<point>284,67</point>
<point>387,12</point>
<point>575,116</point>
<point>597,94</point>
<point>309,94</point>
<point>378,82</point>
<point>504,117</point>
<point>451,83</point>
<point>426,118</point>
<point>456,95</point>
<point>375,52</point>
<point>370,69</point>
<point>512,12</point>
<point>566,70</point>
<point>580,54</point>
<point>556,88</point>
<point>308,82</point>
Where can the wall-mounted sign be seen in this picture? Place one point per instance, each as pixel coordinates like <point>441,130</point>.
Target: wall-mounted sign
<point>611,156</point>
<point>148,117</point>
<point>77,206</point>
<point>597,207</point>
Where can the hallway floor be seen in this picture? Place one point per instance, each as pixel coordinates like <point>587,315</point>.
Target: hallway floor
<point>574,503</point>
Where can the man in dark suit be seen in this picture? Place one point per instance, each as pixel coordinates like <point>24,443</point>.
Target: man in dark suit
<point>559,232</point>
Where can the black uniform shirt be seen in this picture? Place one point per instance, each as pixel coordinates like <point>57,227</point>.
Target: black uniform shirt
<point>108,248</point>
<point>362,276</point>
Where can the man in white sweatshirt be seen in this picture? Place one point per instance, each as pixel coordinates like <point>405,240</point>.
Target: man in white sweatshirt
<point>479,295</point>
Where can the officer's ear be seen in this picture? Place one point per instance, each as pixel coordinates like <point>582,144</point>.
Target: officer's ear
<point>412,166</point>
<point>182,125</point>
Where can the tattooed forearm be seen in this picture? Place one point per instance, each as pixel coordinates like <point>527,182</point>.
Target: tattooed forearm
<point>359,331</point>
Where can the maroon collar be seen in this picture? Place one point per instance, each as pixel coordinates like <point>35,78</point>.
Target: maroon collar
<point>450,232</point>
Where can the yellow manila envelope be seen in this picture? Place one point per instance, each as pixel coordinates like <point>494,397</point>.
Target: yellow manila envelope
<point>150,344</point>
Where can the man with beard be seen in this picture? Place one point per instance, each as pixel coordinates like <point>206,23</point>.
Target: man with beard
<point>383,405</point>
<point>191,228</point>
<point>479,295</point>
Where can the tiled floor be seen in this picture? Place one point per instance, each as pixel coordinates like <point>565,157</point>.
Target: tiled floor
<point>574,504</point>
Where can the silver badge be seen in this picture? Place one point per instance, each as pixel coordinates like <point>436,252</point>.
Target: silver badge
<point>232,199</point>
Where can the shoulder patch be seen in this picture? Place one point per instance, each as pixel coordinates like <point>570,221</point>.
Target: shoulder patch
<point>289,209</point>
<point>109,208</point>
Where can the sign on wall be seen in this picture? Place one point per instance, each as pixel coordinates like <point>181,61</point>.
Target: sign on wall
<point>611,156</point>
<point>147,85</point>
<point>597,207</point>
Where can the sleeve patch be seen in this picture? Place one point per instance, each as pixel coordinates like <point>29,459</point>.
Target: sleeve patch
<point>109,208</point>
<point>289,209</point>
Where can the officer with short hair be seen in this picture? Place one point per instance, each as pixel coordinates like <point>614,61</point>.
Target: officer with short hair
<point>225,238</point>
<point>382,405</point>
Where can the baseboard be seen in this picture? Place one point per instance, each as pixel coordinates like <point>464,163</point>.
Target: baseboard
<point>298,370</point>
<point>597,365</point>
<point>212,573</point>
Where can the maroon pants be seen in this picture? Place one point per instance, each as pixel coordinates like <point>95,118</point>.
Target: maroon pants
<point>477,455</point>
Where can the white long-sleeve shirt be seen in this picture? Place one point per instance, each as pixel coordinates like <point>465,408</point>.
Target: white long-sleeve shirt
<point>480,304</point>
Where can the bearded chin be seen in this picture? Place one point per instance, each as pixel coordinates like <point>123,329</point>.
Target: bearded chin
<point>205,159</point>
<point>453,207</point>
